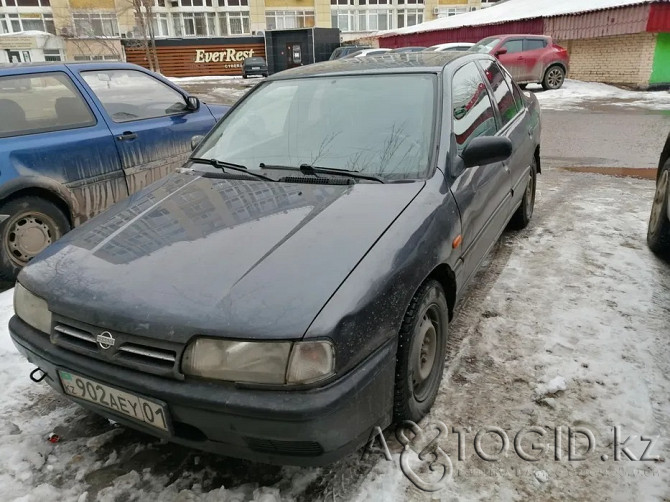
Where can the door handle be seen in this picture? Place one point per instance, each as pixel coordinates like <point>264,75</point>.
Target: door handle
<point>126,136</point>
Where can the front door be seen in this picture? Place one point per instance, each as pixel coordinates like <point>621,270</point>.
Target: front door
<point>294,54</point>
<point>149,120</point>
<point>481,192</point>
<point>514,59</point>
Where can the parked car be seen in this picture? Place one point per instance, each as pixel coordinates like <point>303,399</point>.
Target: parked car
<point>254,66</point>
<point>409,49</point>
<point>291,289</point>
<point>658,234</point>
<point>367,52</point>
<point>76,138</point>
<point>529,58</point>
<point>452,46</point>
<point>345,50</point>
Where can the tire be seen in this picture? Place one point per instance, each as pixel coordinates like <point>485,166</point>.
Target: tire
<point>522,216</point>
<point>523,86</point>
<point>553,78</point>
<point>658,233</point>
<point>244,75</point>
<point>33,224</point>
<point>421,352</point>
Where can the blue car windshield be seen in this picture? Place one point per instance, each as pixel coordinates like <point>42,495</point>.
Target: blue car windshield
<point>375,124</point>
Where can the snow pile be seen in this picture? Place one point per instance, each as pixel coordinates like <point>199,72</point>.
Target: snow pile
<point>575,95</point>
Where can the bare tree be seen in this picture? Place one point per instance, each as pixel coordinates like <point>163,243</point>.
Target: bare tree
<point>144,16</point>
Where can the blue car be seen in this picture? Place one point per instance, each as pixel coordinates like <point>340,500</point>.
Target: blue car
<point>77,138</point>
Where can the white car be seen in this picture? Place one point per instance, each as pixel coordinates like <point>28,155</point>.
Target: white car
<point>453,46</point>
<point>367,52</point>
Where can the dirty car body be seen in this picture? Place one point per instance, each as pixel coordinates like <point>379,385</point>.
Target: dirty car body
<point>75,138</point>
<point>259,315</point>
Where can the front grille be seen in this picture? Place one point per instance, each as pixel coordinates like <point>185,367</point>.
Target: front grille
<point>145,354</point>
<point>296,448</point>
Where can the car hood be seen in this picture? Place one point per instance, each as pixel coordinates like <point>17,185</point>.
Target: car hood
<point>194,255</point>
<point>217,111</point>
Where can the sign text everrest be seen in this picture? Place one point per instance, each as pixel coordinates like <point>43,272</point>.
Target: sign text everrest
<point>203,56</point>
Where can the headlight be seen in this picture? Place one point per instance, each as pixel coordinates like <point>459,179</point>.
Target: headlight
<point>259,362</point>
<point>32,309</point>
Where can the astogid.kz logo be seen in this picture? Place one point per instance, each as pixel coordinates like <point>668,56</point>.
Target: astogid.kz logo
<point>425,460</point>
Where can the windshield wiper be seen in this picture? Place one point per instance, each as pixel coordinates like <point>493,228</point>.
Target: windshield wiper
<point>220,164</point>
<point>308,169</point>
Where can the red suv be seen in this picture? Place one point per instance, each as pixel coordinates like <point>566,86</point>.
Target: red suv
<point>529,58</point>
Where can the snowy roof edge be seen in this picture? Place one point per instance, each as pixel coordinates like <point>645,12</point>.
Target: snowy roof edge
<point>444,24</point>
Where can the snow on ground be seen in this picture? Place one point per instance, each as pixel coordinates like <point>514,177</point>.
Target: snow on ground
<point>566,327</point>
<point>575,95</point>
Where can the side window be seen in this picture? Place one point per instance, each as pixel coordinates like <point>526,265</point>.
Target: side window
<point>472,107</point>
<point>132,95</point>
<point>513,46</point>
<point>515,89</point>
<point>501,92</point>
<point>41,103</point>
<point>532,44</point>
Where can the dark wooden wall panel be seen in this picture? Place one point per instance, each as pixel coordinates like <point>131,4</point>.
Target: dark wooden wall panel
<point>186,61</point>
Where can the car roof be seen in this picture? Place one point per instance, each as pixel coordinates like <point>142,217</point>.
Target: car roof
<point>518,35</point>
<point>11,68</point>
<point>389,62</point>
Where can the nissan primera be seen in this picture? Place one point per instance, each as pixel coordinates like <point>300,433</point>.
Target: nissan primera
<point>290,289</point>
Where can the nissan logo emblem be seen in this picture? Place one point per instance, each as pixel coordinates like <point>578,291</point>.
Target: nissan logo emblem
<point>105,340</point>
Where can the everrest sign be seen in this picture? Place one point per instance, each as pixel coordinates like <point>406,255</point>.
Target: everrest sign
<point>225,55</point>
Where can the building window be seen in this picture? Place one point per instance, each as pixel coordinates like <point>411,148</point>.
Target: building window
<point>161,23</point>
<point>95,24</point>
<point>104,57</point>
<point>374,15</point>
<point>12,23</point>
<point>52,55</point>
<point>288,19</point>
<point>234,23</point>
<point>409,17</point>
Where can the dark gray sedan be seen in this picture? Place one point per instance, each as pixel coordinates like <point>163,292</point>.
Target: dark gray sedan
<point>658,234</point>
<point>291,289</point>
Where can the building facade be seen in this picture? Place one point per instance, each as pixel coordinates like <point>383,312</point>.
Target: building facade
<point>82,30</point>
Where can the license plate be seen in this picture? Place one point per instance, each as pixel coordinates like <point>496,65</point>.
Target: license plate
<point>255,67</point>
<point>139,408</point>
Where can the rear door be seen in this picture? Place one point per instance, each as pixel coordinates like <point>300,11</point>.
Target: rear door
<point>48,129</point>
<point>513,60</point>
<point>514,124</point>
<point>149,119</point>
<point>533,50</point>
<point>481,192</point>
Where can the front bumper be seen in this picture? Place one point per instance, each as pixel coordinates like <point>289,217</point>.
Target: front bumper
<point>306,427</point>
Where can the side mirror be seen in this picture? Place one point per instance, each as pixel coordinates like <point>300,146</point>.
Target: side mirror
<point>501,51</point>
<point>486,150</point>
<point>192,103</point>
<point>196,140</point>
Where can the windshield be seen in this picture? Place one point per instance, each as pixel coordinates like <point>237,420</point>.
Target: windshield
<point>376,124</point>
<point>486,45</point>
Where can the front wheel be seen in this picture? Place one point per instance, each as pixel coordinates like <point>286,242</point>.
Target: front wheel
<point>422,347</point>
<point>553,78</point>
<point>521,218</point>
<point>32,225</point>
<point>658,233</point>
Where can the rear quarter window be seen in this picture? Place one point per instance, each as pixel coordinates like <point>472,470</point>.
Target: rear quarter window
<point>41,102</point>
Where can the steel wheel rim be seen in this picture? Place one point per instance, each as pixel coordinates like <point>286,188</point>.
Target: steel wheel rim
<point>659,200</point>
<point>424,355</point>
<point>555,78</point>
<point>529,197</point>
<point>27,235</point>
